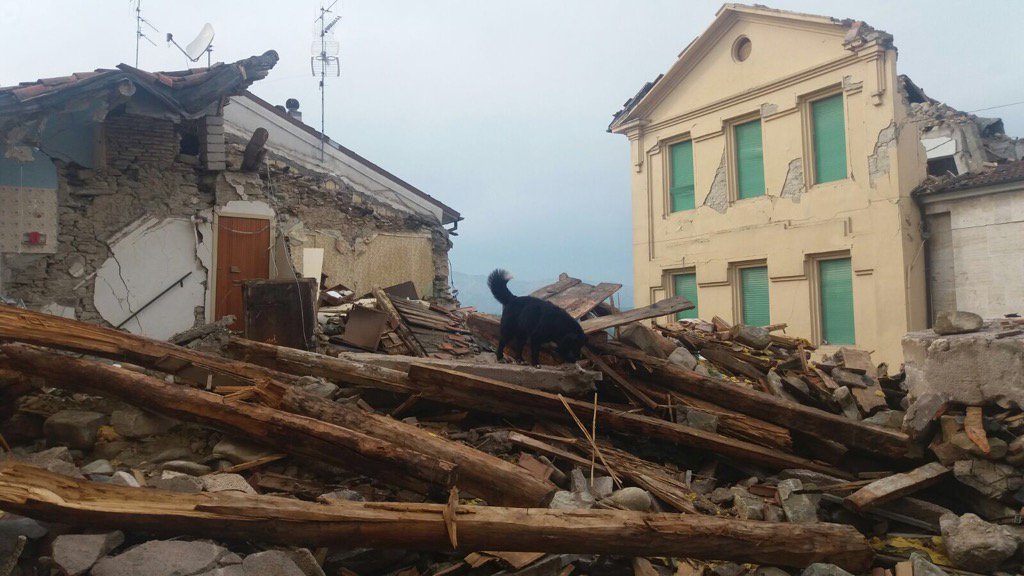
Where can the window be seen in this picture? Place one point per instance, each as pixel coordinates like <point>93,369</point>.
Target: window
<point>749,160</point>
<point>829,131</point>
<point>835,280</point>
<point>681,176</point>
<point>754,295</point>
<point>685,285</point>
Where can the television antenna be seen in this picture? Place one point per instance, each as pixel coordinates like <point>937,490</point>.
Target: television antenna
<point>139,34</point>
<point>324,61</point>
<point>194,50</point>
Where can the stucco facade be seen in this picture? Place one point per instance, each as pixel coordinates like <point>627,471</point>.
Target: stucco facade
<point>790,61</point>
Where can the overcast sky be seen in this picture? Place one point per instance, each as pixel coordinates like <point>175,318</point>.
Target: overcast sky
<point>498,108</point>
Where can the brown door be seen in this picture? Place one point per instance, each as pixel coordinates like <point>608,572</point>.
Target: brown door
<point>243,253</point>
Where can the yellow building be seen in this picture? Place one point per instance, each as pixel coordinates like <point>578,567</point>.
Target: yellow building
<point>772,167</point>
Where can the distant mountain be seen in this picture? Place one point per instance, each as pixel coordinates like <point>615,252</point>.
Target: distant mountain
<point>473,291</point>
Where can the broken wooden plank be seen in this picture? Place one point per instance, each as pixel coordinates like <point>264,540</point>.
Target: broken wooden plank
<point>474,392</point>
<point>564,283</point>
<point>894,487</point>
<point>36,493</point>
<point>384,302</point>
<point>856,435</point>
<point>580,299</point>
<point>485,476</point>
<point>659,308</point>
<point>281,430</point>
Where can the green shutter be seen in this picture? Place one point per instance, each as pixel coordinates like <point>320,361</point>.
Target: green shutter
<point>836,301</point>
<point>686,286</point>
<point>754,290</point>
<point>749,160</point>
<point>681,191</point>
<point>829,139</point>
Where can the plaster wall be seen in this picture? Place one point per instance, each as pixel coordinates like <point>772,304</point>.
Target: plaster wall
<point>868,216</point>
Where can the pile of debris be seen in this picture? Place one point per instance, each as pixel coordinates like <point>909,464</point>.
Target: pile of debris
<point>693,448</point>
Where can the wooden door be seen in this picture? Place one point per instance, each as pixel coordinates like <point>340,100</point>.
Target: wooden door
<point>243,253</point>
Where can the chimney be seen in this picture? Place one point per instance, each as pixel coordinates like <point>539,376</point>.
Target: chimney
<point>293,109</point>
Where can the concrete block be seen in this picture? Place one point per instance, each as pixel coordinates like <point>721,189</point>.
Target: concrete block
<point>972,369</point>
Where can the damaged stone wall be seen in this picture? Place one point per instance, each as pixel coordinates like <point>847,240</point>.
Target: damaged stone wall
<point>366,243</point>
<point>144,176</point>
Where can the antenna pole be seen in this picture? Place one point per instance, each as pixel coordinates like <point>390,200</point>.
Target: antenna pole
<point>138,29</point>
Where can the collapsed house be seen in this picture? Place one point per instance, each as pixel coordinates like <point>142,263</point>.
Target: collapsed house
<point>148,200</point>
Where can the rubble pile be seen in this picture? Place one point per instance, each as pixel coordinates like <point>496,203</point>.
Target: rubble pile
<point>690,447</point>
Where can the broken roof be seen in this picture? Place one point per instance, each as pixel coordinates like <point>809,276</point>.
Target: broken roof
<point>186,93</point>
<point>857,35</point>
<point>1001,174</point>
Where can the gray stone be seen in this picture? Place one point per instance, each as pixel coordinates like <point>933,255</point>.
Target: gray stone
<point>565,500</point>
<point>923,412</point>
<point>746,505</point>
<point>176,482</point>
<point>757,337</point>
<point>317,386</point>
<point>631,498</point>
<point>10,553</point>
<point>162,558</point>
<point>340,496</point>
<point>306,562</point>
<point>699,419</point>
<point>239,451</point>
<point>770,571</point>
<point>122,478</point>
<point>75,429</point>
<point>186,467</point>
<point>721,496</point>
<point>644,338</point>
<point>98,467</point>
<point>947,323</point>
<point>602,487</point>
<point>276,562</point>
<point>846,402</point>
<point>887,419</point>
<point>226,483</point>
<point>820,569</point>
<point>76,553</point>
<point>989,478</point>
<point>233,570</point>
<point>799,508</point>
<point>134,423</point>
<point>682,357</point>
<point>172,453</point>
<point>13,527</point>
<point>1015,451</point>
<point>57,460</point>
<point>702,370</point>
<point>923,566</point>
<point>578,482</point>
<point>975,545</point>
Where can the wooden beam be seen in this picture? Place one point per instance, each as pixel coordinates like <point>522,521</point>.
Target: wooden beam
<point>474,392</point>
<point>384,302</point>
<point>894,487</point>
<point>856,435</point>
<point>659,308</point>
<point>286,432</point>
<point>39,494</point>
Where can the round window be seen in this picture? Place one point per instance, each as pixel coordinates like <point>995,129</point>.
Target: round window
<point>741,49</point>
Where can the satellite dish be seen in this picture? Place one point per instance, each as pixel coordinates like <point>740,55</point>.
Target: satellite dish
<point>196,48</point>
<point>202,42</point>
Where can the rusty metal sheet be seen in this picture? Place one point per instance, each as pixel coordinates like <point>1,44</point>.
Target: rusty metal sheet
<point>281,312</point>
<point>364,327</point>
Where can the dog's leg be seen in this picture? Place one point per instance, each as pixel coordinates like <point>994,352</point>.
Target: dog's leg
<point>535,351</point>
<point>502,342</point>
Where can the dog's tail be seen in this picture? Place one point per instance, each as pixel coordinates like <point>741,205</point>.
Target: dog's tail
<point>498,283</point>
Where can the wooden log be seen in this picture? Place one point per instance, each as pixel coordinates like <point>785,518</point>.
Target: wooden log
<point>297,435</point>
<point>489,477</point>
<point>66,334</point>
<point>39,494</point>
<point>894,487</point>
<point>856,435</point>
<point>659,308</point>
<point>479,393</point>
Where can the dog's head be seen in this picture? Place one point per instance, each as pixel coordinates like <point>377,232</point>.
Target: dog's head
<point>570,346</point>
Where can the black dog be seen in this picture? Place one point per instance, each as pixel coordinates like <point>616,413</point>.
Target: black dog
<point>526,319</point>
